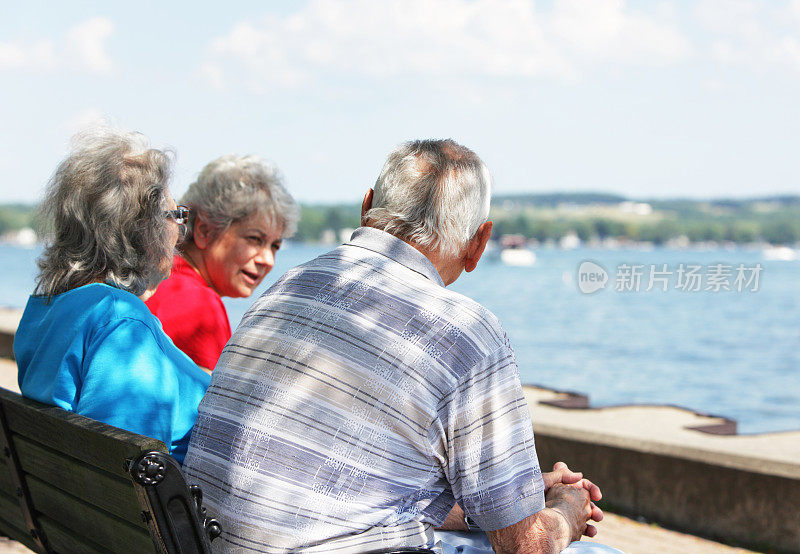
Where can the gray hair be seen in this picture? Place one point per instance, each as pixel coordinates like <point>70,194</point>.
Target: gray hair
<point>104,215</point>
<point>233,188</point>
<point>433,193</point>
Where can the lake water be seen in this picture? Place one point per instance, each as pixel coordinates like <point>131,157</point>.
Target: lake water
<point>727,353</point>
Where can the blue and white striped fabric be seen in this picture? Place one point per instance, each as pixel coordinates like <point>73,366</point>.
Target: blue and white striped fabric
<point>356,403</point>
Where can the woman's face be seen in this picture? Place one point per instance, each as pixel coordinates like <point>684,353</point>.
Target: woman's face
<point>238,259</point>
<point>174,228</point>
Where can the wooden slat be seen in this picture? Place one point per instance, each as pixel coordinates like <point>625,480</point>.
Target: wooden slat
<point>90,441</point>
<point>17,535</point>
<point>6,485</point>
<point>103,490</point>
<point>62,539</point>
<point>12,523</point>
<point>85,520</point>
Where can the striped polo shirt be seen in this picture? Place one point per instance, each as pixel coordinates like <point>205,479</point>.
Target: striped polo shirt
<point>357,401</point>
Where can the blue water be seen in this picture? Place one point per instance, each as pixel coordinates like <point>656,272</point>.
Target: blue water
<point>734,354</point>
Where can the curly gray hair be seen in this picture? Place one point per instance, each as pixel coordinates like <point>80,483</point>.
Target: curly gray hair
<point>232,188</point>
<point>434,193</point>
<point>105,215</point>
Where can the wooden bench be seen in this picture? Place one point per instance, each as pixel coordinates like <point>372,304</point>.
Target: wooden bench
<point>72,484</point>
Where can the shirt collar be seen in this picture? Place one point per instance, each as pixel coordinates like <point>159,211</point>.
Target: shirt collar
<point>396,249</point>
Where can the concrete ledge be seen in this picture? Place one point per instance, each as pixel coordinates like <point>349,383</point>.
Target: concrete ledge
<point>8,375</point>
<point>9,321</point>
<point>650,461</point>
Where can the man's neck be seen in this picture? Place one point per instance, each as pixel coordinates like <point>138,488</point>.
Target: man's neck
<point>448,267</point>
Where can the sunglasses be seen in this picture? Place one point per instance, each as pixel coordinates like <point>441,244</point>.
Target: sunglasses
<point>180,215</point>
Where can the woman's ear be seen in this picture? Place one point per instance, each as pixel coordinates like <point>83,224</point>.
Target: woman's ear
<point>201,232</point>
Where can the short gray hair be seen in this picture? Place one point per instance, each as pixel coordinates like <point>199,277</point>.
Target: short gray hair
<point>233,188</point>
<point>433,193</point>
<point>104,214</point>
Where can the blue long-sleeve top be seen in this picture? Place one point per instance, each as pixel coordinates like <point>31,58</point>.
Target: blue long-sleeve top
<point>98,351</point>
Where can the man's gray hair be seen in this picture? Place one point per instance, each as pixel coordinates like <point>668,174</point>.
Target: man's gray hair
<point>233,188</point>
<point>104,215</point>
<point>433,193</point>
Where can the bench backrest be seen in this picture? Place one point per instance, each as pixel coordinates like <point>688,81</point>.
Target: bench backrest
<point>72,484</point>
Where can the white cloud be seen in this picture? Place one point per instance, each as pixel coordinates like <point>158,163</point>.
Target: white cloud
<point>750,33</point>
<point>791,12</point>
<point>87,44</point>
<point>38,55</point>
<point>730,17</point>
<point>787,51</point>
<point>601,30</point>
<point>443,39</point>
<point>82,49</point>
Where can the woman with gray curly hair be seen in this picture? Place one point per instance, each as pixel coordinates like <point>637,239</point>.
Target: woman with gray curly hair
<point>240,213</point>
<point>87,342</point>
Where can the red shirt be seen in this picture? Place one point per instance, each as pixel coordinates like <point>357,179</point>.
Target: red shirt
<point>192,314</point>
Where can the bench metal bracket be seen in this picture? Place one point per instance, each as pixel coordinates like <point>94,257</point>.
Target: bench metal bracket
<point>20,484</point>
<point>177,520</point>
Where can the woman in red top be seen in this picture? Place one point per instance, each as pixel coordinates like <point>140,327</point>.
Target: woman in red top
<point>240,212</point>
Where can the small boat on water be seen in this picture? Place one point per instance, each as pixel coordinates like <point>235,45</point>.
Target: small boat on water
<point>514,251</point>
<point>25,237</point>
<point>780,254</point>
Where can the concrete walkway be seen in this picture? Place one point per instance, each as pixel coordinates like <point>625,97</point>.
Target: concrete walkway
<point>634,537</point>
<point>9,546</point>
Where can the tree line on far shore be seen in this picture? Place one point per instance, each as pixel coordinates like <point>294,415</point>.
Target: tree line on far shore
<point>547,217</point>
<point>779,231</point>
<point>550,217</point>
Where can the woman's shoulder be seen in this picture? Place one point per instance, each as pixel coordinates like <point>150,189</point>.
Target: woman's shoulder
<point>131,325</point>
<point>122,304</point>
<point>95,300</point>
<point>105,308</point>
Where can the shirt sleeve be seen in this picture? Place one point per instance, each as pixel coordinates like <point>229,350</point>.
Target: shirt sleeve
<point>492,465</point>
<point>129,381</point>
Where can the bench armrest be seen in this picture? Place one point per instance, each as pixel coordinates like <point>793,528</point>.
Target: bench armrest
<point>175,515</point>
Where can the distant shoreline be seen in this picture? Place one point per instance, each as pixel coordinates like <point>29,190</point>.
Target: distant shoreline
<point>597,217</point>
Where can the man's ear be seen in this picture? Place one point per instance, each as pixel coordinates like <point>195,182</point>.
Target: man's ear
<point>201,232</point>
<point>366,205</point>
<point>477,245</point>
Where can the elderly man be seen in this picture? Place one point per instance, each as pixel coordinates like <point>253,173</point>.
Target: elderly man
<point>360,402</point>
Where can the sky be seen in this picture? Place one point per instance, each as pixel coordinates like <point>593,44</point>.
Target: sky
<point>642,98</point>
